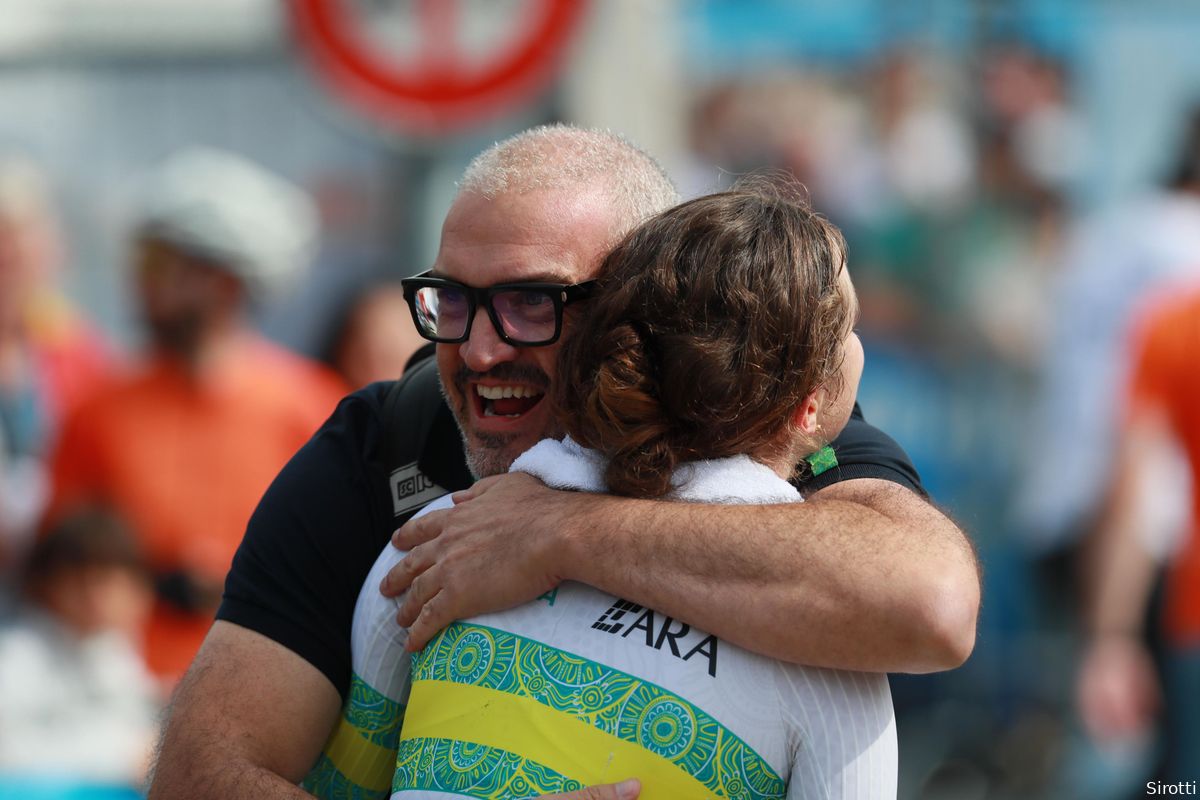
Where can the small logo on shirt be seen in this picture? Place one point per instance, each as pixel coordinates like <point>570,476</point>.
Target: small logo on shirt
<point>821,461</point>
<point>623,618</point>
<point>412,488</point>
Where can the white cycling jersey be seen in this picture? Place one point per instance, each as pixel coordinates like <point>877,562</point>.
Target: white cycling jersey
<point>580,687</point>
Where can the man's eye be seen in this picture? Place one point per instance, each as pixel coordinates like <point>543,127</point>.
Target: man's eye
<point>451,297</point>
<point>534,298</point>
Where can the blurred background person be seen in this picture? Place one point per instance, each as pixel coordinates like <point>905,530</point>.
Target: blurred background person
<point>1120,694</point>
<point>1115,262</point>
<point>183,446</point>
<point>76,701</point>
<point>372,337</point>
<point>50,357</point>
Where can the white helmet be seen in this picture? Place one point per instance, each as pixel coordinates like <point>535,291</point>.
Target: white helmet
<point>232,212</point>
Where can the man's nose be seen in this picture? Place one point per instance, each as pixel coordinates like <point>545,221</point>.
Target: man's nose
<point>484,348</point>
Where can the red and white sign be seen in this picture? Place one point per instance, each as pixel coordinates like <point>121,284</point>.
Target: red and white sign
<point>431,66</point>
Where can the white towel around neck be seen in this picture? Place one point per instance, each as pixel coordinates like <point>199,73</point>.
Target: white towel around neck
<point>737,479</point>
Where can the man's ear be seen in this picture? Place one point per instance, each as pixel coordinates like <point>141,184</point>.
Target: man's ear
<point>806,416</point>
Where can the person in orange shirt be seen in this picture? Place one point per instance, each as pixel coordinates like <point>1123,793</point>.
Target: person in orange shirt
<point>183,446</point>
<point>1119,691</point>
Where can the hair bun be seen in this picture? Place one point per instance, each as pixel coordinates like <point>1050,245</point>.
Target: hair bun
<point>618,411</point>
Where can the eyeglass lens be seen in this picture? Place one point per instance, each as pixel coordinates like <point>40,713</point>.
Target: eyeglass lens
<point>527,315</point>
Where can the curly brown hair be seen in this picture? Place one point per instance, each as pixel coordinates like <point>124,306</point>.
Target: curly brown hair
<point>713,321</point>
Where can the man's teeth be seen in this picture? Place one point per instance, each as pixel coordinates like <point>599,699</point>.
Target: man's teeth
<point>492,393</point>
<point>501,392</point>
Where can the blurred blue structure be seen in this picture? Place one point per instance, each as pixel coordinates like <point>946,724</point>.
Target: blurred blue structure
<point>42,788</point>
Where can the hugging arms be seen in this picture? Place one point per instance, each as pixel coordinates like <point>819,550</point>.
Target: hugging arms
<point>865,575</point>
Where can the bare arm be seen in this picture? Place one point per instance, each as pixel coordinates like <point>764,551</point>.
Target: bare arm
<point>1121,566</point>
<point>247,721</point>
<point>866,575</point>
<point>1118,687</point>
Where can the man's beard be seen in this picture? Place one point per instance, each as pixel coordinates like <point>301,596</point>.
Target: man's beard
<point>178,335</point>
<point>492,453</point>
<point>488,454</point>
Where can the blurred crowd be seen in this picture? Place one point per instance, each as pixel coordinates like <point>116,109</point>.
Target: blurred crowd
<point>1032,357</point>
<point>1021,346</point>
<point>126,479</point>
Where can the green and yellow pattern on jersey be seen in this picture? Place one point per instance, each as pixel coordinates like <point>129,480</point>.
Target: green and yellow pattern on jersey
<point>358,760</point>
<point>493,714</point>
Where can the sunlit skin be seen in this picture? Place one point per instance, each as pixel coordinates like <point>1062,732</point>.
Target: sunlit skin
<point>838,407</point>
<point>555,235</point>
<point>827,409</point>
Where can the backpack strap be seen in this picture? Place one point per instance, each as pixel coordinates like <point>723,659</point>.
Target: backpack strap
<point>410,408</point>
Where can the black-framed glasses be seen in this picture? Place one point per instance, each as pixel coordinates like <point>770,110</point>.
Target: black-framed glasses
<point>523,314</point>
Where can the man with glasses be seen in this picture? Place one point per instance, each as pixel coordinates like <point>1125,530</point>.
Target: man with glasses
<point>867,575</point>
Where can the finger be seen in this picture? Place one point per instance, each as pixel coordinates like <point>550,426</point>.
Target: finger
<point>429,622</point>
<point>400,577</point>
<point>420,530</point>
<point>474,490</point>
<point>420,592</point>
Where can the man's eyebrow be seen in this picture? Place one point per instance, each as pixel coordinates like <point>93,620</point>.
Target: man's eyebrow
<point>544,277</point>
<point>540,277</point>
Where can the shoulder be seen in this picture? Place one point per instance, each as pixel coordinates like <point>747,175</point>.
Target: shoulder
<point>356,422</point>
<point>283,379</point>
<point>313,537</point>
<point>1169,318</point>
<point>336,468</point>
<point>1162,347</point>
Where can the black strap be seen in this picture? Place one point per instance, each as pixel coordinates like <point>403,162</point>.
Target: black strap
<point>421,447</point>
<point>408,411</point>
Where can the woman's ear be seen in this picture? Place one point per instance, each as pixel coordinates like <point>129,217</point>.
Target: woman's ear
<point>806,417</point>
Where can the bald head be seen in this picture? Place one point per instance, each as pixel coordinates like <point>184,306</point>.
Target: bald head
<point>564,157</point>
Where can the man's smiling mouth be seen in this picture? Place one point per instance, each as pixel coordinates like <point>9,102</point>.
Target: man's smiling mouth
<point>508,400</point>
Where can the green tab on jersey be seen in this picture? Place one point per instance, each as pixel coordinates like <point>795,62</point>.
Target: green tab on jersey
<point>822,460</point>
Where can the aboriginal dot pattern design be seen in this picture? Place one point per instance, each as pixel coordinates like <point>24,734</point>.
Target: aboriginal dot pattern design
<point>447,765</point>
<point>373,718</point>
<point>605,698</point>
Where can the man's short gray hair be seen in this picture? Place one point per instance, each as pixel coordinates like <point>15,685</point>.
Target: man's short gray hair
<point>557,156</point>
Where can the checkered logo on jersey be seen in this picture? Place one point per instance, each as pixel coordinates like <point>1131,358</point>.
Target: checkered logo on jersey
<point>412,489</point>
